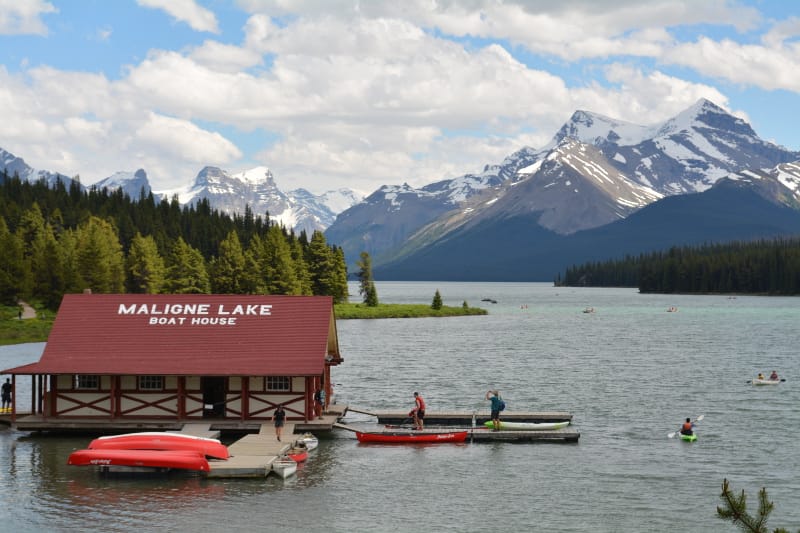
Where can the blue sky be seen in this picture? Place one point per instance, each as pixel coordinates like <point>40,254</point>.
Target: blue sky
<point>342,93</point>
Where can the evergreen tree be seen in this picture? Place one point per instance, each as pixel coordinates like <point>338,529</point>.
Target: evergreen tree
<point>321,267</point>
<point>437,300</point>
<point>276,264</point>
<point>365,282</point>
<point>12,265</point>
<point>229,269</point>
<point>100,262</point>
<point>340,289</point>
<point>300,265</point>
<point>186,270</point>
<point>145,266</point>
<point>735,509</point>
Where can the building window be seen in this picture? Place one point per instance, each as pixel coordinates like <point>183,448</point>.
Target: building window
<point>277,383</point>
<point>87,382</point>
<point>151,382</point>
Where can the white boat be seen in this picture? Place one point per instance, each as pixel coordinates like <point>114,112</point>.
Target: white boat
<point>284,467</point>
<point>528,426</point>
<point>757,381</point>
<point>310,441</point>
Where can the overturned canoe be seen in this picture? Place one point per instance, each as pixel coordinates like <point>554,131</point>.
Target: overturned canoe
<point>174,459</point>
<point>410,437</point>
<point>160,440</point>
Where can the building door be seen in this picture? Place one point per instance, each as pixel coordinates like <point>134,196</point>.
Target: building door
<point>213,388</point>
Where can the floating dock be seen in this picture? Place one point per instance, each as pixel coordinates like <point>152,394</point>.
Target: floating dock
<point>464,418</point>
<point>253,454</point>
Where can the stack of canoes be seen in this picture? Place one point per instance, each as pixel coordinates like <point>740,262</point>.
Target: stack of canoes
<point>150,450</point>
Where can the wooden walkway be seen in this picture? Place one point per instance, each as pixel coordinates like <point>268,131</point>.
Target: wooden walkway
<point>253,454</point>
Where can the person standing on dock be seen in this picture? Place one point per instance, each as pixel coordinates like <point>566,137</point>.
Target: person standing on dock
<point>7,395</point>
<point>279,417</point>
<point>319,401</point>
<point>419,411</point>
<point>494,397</point>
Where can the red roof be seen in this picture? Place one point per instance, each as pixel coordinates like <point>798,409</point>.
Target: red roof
<point>189,334</point>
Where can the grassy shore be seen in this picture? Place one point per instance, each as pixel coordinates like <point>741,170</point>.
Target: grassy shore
<point>359,310</point>
<point>15,331</point>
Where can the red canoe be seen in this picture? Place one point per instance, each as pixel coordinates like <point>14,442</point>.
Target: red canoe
<point>396,437</point>
<point>159,440</point>
<point>181,459</point>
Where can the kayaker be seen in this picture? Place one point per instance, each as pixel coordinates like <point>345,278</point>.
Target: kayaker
<point>687,427</point>
<point>419,411</point>
<point>494,397</point>
<point>773,376</point>
<point>760,376</point>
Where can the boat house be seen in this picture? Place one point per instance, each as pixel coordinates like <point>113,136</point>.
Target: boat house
<point>183,357</point>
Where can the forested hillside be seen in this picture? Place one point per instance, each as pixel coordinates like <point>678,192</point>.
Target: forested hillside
<point>759,267</point>
<point>62,240</point>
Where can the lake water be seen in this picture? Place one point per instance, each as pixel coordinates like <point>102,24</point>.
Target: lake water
<point>629,373</point>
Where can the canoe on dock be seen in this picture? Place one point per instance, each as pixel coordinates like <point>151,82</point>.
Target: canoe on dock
<point>527,426</point>
<point>284,467</point>
<point>410,437</point>
<point>161,440</point>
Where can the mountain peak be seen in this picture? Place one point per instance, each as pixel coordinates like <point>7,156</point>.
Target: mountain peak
<point>594,128</point>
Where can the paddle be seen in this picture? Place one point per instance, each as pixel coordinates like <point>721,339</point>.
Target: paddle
<point>698,419</point>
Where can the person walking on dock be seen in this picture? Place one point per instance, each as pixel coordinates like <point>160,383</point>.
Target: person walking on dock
<point>279,417</point>
<point>494,397</point>
<point>419,411</point>
<point>6,395</point>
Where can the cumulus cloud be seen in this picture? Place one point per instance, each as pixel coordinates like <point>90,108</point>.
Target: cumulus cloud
<point>17,18</point>
<point>197,17</point>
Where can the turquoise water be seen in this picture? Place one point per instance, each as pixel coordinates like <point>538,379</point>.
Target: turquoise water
<point>629,373</point>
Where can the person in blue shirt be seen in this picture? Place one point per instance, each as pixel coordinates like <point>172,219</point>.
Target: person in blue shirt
<point>494,397</point>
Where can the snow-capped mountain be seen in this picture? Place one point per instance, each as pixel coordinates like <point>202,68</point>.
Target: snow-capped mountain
<point>134,184</point>
<point>780,184</point>
<point>256,188</point>
<point>594,171</point>
<point>684,154</point>
<point>298,209</point>
<point>14,165</point>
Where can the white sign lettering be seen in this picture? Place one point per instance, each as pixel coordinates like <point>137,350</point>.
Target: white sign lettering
<point>170,314</point>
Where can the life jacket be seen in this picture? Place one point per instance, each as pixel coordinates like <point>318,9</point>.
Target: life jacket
<point>687,426</point>
<point>420,403</point>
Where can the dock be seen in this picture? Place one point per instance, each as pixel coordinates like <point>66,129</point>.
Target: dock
<point>464,418</point>
<point>451,421</point>
<point>253,454</point>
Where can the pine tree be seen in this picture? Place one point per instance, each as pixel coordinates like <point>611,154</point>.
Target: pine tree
<point>145,266</point>
<point>735,509</point>
<point>229,269</point>
<point>186,273</point>
<point>12,265</point>
<point>100,262</point>
<point>437,301</point>
<point>276,264</point>
<point>366,283</point>
<point>320,261</point>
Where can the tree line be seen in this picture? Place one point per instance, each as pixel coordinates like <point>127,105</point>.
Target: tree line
<point>65,239</point>
<point>756,267</point>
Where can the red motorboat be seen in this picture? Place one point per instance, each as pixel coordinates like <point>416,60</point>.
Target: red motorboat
<point>180,459</point>
<point>160,440</point>
<point>410,437</point>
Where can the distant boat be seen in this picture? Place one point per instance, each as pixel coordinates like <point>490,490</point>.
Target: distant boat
<point>672,309</point>
<point>489,300</point>
<point>589,310</point>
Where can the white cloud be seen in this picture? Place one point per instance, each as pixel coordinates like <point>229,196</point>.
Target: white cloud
<point>24,17</point>
<point>774,67</point>
<point>197,17</point>
<point>183,140</point>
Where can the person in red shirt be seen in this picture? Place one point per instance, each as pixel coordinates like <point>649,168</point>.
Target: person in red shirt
<point>419,411</point>
<point>687,427</point>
